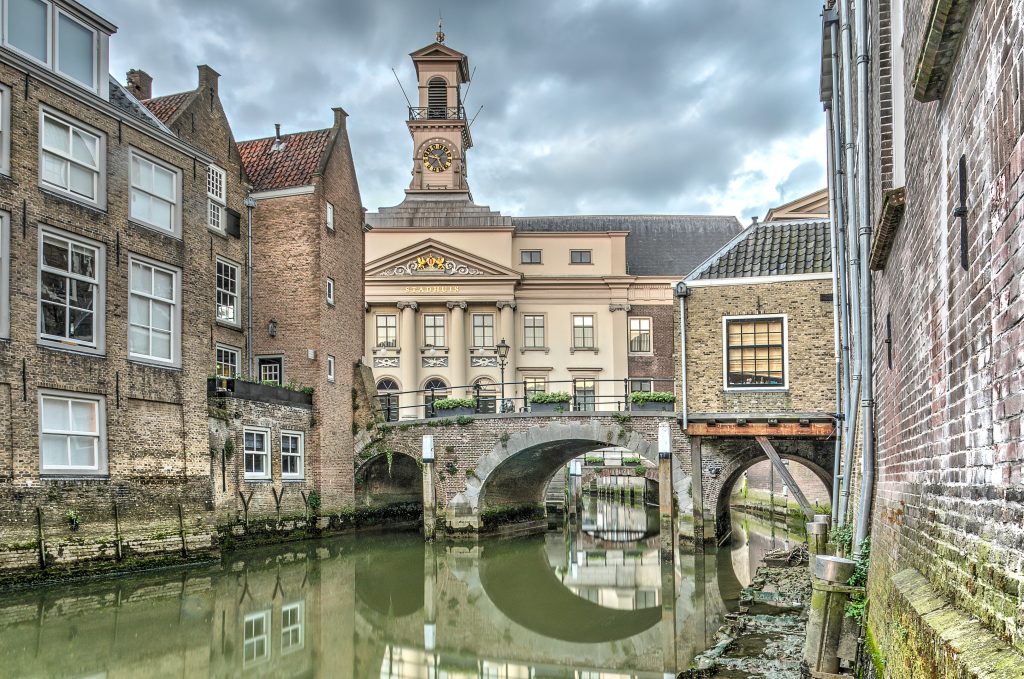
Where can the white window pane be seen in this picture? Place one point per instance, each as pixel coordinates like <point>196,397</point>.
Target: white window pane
<point>75,50</point>
<point>163,183</point>
<point>82,181</point>
<point>26,27</point>
<point>83,417</point>
<point>83,260</point>
<point>83,148</point>
<point>161,316</point>
<point>54,450</point>
<point>142,278</point>
<point>163,284</point>
<point>55,414</point>
<point>140,203</point>
<point>55,170</point>
<point>55,254</point>
<point>138,340</point>
<point>140,177</point>
<point>160,213</point>
<point>82,451</point>
<point>55,135</point>
<point>161,345</point>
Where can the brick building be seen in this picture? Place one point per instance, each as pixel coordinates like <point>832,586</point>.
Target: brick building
<point>943,173</point>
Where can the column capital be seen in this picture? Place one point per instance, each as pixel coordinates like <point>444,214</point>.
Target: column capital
<point>619,307</point>
<point>506,303</point>
<point>460,305</point>
<point>408,305</point>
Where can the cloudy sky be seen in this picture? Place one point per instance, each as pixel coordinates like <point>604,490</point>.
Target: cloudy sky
<point>589,106</point>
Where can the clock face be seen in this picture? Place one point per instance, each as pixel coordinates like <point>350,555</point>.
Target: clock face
<point>437,157</point>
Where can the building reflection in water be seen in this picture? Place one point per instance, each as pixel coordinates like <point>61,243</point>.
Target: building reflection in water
<point>587,603</point>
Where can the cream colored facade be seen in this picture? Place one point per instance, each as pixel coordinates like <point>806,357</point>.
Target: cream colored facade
<point>447,280</point>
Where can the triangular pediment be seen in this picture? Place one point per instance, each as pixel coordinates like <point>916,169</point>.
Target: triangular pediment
<point>437,49</point>
<point>813,205</point>
<point>431,258</point>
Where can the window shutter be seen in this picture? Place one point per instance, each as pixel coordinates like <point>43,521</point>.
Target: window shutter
<point>234,225</point>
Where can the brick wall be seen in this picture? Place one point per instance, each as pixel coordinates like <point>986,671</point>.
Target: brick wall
<point>760,477</point>
<point>661,363</point>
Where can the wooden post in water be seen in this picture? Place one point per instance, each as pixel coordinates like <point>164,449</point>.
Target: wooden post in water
<point>39,535</point>
<point>117,533</point>
<point>697,467</point>
<point>665,489</point>
<point>429,498</point>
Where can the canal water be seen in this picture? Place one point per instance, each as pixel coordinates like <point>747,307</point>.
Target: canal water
<point>589,602</point>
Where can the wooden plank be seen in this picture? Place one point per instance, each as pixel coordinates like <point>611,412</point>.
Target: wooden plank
<point>773,455</point>
<point>789,430</point>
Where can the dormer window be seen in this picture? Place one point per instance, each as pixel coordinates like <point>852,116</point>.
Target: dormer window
<point>53,37</point>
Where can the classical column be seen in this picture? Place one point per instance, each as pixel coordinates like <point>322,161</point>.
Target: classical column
<point>620,342</point>
<point>457,358</point>
<point>409,358</point>
<point>507,331</point>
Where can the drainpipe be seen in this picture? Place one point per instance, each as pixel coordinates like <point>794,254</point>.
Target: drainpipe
<point>682,292</point>
<point>867,481</point>
<point>836,331</point>
<point>852,408</point>
<point>249,203</point>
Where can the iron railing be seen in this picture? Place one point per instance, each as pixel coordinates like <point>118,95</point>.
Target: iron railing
<point>437,113</point>
<point>514,397</point>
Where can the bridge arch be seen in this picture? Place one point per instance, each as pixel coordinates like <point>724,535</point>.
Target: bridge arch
<point>380,481</point>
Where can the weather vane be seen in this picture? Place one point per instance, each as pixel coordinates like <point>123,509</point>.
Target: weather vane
<point>440,33</point>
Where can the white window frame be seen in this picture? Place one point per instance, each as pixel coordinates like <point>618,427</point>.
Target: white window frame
<point>267,454</point>
<point>99,302</point>
<point>5,275</point>
<point>175,229</point>
<point>237,306</point>
<point>301,474</point>
<point>100,404</point>
<point>55,45</point>
<point>216,200</point>
<point>175,359</point>
<point>330,368</point>
<point>785,354</point>
<point>330,216</point>
<point>265,636</point>
<point>100,184</point>
<point>330,291</point>
<point>299,626</point>
<point>276,360</point>
<point>484,327</point>
<point>49,36</point>
<point>5,130</point>
<point>650,335</point>
<point>228,349</point>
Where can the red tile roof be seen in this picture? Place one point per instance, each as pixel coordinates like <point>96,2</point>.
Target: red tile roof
<point>292,165</point>
<point>165,107</point>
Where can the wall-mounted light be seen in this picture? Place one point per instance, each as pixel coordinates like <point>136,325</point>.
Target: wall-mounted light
<point>272,328</point>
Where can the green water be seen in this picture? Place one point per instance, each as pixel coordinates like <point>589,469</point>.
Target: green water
<point>594,602</point>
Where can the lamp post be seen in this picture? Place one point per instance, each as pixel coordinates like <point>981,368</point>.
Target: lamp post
<point>502,348</point>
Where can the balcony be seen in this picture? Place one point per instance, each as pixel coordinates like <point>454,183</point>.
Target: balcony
<point>437,113</point>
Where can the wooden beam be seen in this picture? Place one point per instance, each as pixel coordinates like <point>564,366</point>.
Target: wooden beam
<point>773,455</point>
<point>788,430</point>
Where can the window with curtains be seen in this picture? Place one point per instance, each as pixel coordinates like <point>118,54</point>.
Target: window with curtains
<point>755,352</point>
<point>639,335</point>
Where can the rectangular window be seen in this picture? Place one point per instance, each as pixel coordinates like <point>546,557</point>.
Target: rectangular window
<point>154,330</point>
<point>292,454</point>
<point>387,331</point>
<point>755,352</point>
<point>216,190</point>
<point>256,638</point>
<point>583,332</point>
<point>483,330</point>
<point>71,433</point>
<point>535,385</point>
<point>154,193</point>
<point>586,394</point>
<point>579,257</point>
<point>292,627</point>
<point>330,290</point>
<point>76,50</point>
<point>257,453</point>
<point>28,28</point>
<point>70,158</point>
<point>271,369</point>
<point>641,385</point>
<point>70,290</point>
<point>5,127</point>
<point>529,256</point>
<point>227,361</point>
<point>433,330</point>
<point>330,217</point>
<point>639,335</point>
<point>227,292</point>
<point>5,275</point>
<point>330,368</point>
<point>533,332</point>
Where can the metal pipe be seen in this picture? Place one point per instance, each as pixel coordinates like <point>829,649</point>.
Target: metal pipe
<point>867,480</point>
<point>682,292</point>
<point>249,203</point>
<point>830,162</point>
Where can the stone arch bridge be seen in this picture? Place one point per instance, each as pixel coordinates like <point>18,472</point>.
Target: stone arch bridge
<point>489,468</point>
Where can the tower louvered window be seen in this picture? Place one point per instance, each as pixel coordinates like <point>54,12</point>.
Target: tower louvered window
<point>437,98</point>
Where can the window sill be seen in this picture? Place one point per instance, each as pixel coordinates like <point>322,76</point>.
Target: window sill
<point>217,232</point>
<point>377,350</point>
<point>66,476</point>
<point>176,234</point>
<point>426,350</point>
<point>98,208</point>
<point>640,354</point>
<point>746,390</point>
<point>330,303</point>
<point>55,345</point>
<point>573,350</point>
<point>293,479</point>
<point>137,360</point>
<point>229,326</point>
<point>261,479</point>
<point>546,350</point>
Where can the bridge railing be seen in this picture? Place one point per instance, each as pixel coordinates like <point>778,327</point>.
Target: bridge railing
<point>495,398</point>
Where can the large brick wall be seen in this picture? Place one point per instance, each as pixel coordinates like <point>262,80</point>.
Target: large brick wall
<point>661,363</point>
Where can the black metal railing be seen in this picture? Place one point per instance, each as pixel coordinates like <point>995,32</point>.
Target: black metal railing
<point>514,397</point>
<point>437,113</point>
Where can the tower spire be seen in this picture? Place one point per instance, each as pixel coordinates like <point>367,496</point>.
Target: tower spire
<point>440,32</point>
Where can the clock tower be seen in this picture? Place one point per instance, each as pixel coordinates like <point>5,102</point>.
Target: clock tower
<point>438,125</point>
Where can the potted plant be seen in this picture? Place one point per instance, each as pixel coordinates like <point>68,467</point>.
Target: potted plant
<point>550,402</point>
<point>455,406</point>
<point>652,401</point>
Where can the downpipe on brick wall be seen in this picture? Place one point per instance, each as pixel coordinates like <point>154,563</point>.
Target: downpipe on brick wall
<point>863,209</point>
<point>249,203</point>
<point>836,332</point>
<point>682,292</point>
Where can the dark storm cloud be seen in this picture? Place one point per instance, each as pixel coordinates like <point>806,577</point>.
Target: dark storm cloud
<point>589,106</point>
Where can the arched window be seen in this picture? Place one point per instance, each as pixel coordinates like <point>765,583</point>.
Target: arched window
<point>434,390</point>
<point>486,393</point>
<point>387,393</point>
<point>437,98</point>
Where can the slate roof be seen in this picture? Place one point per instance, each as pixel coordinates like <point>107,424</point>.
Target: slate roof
<point>772,249</point>
<point>165,107</point>
<point>124,100</point>
<point>291,165</point>
<point>657,245</point>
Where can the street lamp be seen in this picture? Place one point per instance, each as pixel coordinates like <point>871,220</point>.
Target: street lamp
<point>502,348</point>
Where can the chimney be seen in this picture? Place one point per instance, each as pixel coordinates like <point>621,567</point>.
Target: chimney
<point>208,78</point>
<point>339,116</point>
<point>140,84</point>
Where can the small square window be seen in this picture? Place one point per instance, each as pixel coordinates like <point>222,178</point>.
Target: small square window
<point>529,257</point>
<point>579,257</point>
<point>270,369</point>
<point>755,353</point>
<point>71,433</point>
<point>330,368</point>
<point>330,217</point>
<point>330,290</point>
<point>227,361</point>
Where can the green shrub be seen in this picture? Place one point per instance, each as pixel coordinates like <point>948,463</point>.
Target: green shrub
<point>593,459</point>
<point>551,397</point>
<point>451,403</point>
<point>641,397</point>
<point>628,461</point>
<point>313,500</point>
<point>640,470</point>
